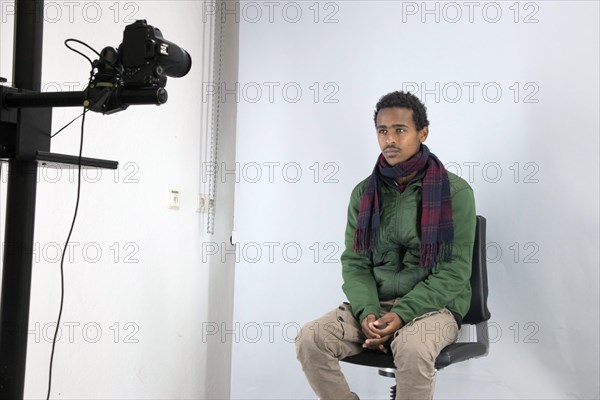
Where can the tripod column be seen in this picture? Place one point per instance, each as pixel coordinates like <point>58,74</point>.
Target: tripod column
<point>20,207</point>
<point>16,277</point>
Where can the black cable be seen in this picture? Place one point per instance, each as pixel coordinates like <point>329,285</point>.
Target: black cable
<point>112,63</point>
<point>78,52</point>
<point>91,73</point>
<point>73,120</point>
<point>62,260</point>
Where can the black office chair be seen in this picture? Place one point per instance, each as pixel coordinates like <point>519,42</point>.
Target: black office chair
<point>478,315</point>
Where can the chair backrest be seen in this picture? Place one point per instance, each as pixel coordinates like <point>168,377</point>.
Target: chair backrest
<point>478,312</point>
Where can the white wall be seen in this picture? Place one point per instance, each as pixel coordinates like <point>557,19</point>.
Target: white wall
<point>222,269</point>
<point>535,176</point>
<point>150,310</point>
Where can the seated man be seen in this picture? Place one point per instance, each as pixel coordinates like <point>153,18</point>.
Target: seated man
<point>406,266</point>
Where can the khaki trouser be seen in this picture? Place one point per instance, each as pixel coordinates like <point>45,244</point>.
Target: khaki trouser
<point>336,335</point>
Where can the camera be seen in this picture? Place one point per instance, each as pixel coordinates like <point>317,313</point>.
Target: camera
<point>137,71</point>
<point>144,59</point>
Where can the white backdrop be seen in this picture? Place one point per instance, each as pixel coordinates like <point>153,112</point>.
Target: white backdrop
<point>512,94</point>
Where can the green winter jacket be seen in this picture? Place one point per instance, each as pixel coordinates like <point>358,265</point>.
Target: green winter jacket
<point>394,272</point>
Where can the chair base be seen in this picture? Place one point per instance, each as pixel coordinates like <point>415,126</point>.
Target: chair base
<point>393,392</point>
<point>387,372</point>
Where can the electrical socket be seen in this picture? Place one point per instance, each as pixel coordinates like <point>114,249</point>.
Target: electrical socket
<point>174,199</point>
<point>204,204</point>
<point>201,203</point>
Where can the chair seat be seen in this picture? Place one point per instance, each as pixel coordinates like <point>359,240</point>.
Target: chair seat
<point>457,352</point>
<point>451,354</point>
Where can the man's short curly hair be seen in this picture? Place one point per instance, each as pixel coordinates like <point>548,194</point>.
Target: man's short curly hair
<point>404,100</point>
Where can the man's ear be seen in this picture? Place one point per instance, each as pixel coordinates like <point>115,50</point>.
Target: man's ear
<point>423,134</point>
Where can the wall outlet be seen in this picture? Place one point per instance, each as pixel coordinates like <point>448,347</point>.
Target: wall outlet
<point>204,204</point>
<point>174,199</point>
<point>201,203</point>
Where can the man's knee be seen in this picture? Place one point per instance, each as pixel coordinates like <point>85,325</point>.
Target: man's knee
<point>411,349</point>
<point>306,339</point>
<point>317,336</point>
<point>424,339</point>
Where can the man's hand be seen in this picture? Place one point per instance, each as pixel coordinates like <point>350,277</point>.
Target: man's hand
<point>381,330</point>
<point>366,325</point>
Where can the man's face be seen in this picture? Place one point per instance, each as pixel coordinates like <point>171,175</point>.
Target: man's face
<point>398,137</point>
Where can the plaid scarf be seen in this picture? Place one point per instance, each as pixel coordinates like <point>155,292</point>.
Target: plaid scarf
<point>437,228</point>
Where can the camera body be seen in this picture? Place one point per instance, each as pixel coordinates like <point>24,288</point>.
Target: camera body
<point>144,59</point>
<point>147,58</point>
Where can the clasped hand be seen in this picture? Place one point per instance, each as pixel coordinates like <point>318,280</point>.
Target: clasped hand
<point>380,331</point>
